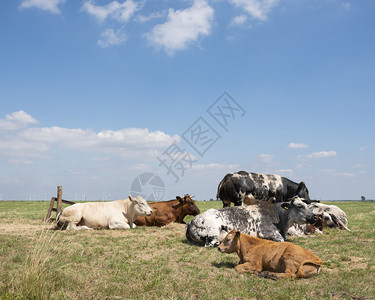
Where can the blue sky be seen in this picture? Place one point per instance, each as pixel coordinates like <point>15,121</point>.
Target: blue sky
<point>95,93</point>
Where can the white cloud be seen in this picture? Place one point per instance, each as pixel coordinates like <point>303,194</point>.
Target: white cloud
<point>151,16</point>
<point>21,161</point>
<point>183,27</point>
<point>240,20</point>
<point>112,38</point>
<point>214,166</point>
<point>49,5</point>
<point>297,146</point>
<point>317,155</point>
<point>128,139</point>
<point>345,174</point>
<point>16,120</point>
<point>37,141</point>
<point>359,166</point>
<point>266,158</point>
<point>121,12</point>
<point>258,9</point>
<point>284,171</point>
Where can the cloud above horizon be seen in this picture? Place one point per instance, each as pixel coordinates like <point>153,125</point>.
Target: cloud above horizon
<point>297,146</point>
<point>318,155</point>
<point>112,37</point>
<point>35,142</point>
<point>17,120</point>
<point>183,27</point>
<point>48,5</point>
<point>121,12</point>
<point>257,9</point>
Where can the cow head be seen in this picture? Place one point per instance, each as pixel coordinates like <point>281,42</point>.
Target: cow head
<point>303,192</point>
<point>140,206</point>
<point>326,220</point>
<point>189,205</point>
<point>230,242</point>
<point>298,211</point>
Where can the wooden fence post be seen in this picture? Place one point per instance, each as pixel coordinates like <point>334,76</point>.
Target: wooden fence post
<point>48,217</point>
<point>59,199</point>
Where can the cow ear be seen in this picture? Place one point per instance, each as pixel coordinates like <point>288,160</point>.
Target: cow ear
<point>238,233</point>
<point>131,198</point>
<point>285,205</point>
<point>301,185</point>
<point>224,228</point>
<point>179,198</point>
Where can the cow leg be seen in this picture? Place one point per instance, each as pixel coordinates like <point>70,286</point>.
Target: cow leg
<point>308,270</point>
<point>271,235</point>
<point>119,225</point>
<point>73,226</point>
<point>248,267</point>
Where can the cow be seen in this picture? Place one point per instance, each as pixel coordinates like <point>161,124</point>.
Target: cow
<point>119,214</point>
<point>328,216</point>
<point>323,220</point>
<point>166,212</point>
<point>336,214</point>
<point>253,188</point>
<point>269,220</point>
<point>270,259</point>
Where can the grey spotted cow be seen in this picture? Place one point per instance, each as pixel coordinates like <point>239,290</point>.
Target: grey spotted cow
<point>268,221</point>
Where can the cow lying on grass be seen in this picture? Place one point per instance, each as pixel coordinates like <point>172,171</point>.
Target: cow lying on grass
<point>337,215</point>
<point>328,216</point>
<point>270,259</point>
<point>268,221</point>
<point>166,212</point>
<point>119,214</point>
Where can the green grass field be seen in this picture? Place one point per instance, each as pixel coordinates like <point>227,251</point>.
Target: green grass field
<point>157,263</point>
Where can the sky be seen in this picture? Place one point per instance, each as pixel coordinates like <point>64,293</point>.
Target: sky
<point>164,98</point>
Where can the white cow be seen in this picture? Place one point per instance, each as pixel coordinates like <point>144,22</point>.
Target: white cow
<point>119,214</point>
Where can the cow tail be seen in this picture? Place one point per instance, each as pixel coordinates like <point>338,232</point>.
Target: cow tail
<point>60,225</point>
<point>218,190</point>
<point>339,223</point>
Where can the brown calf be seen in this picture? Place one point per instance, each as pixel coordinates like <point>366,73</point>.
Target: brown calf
<point>166,212</point>
<point>270,259</point>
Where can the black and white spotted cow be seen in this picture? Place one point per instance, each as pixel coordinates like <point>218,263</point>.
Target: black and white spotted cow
<point>336,214</point>
<point>269,221</point>
<point>327,216</point>
<point>253,188</point>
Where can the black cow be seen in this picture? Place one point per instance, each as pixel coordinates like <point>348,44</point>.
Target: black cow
<point>253,188</point>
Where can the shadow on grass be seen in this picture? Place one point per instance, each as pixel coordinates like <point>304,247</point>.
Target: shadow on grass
<point>224,264</point>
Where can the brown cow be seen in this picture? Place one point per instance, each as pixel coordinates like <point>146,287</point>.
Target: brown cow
<point>268,258</point>
<point>166,212</point>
